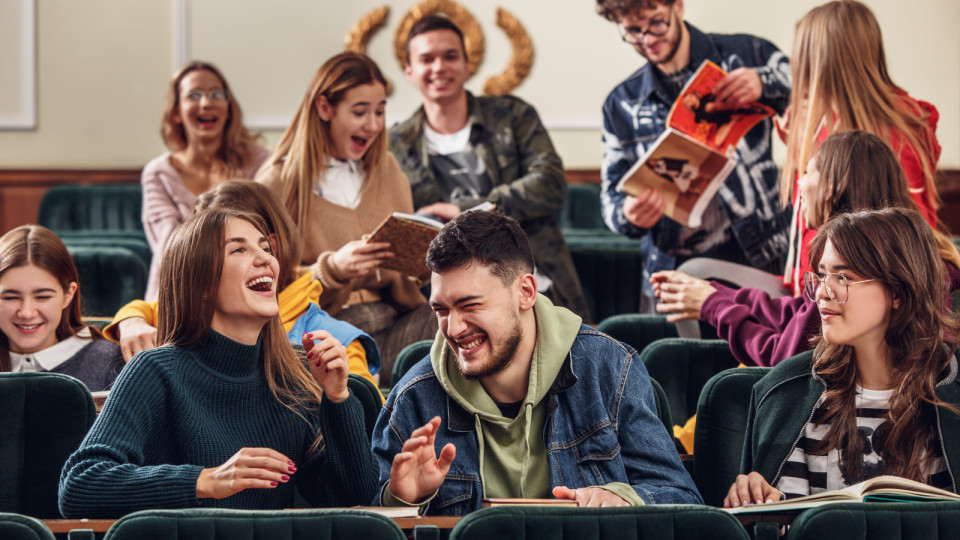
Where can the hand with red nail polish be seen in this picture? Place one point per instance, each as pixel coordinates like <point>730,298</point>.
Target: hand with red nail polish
<point>328,363</point>
<point>262,468</point>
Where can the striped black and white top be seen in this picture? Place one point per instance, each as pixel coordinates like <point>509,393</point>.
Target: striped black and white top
<point>808,474</point>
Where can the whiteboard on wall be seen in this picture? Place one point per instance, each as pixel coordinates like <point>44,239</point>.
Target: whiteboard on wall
<point>18,64</point>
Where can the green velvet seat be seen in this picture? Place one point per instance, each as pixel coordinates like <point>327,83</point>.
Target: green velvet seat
<point>721,426</point>
<point>135,242</point>
<point>878,521</point>
<point>220,524</point>
<point>43,418</point>
<point>663,406</point>
<point>109,278</point>
<point>610,270</point>
<point>677,522</point>
<point>103,207</point>
<point>581,210</point>
<point>683,367</point>
<point>17,527</point>
<point>408,357</point>
<point>638,329</point>
<point>369,398</point>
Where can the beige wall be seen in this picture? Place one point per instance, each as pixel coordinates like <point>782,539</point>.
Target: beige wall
<point>103,65</point>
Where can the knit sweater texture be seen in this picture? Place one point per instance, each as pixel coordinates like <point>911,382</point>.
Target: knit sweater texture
<point>177,410</point>
<point>330,226</point>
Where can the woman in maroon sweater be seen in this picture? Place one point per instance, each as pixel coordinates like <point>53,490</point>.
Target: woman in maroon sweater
<point>853,170</point>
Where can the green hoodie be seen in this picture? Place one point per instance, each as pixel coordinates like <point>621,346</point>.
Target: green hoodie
<point>513,458</point>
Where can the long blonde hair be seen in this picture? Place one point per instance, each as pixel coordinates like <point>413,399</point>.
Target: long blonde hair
<point>188,277</point>
<point>840,77</point>
<point>237,143</point>
<point>303,152</point>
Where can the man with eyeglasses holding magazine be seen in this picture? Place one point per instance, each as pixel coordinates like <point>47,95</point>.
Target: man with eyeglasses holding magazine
<point>744,223</point>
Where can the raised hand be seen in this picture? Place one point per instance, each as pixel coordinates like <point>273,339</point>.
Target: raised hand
<point>589,496</point>
<point>262,468</point>
<point>329,364</point>
<point>750,489</point>
<point>135,336</point>
<point>416,470</point>
<point>357,258</point>
<point>680,295</point>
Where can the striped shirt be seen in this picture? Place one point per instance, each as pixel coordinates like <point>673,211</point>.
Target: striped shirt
<point>808,474</point>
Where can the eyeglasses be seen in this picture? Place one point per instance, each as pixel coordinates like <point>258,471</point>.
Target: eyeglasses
<point>215,94</point>
<point>634,35</point>
<point>838,286</point>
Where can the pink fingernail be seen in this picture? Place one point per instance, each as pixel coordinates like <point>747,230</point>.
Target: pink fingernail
<point>284,477</point>
<point>293,469</point>
<point>290,462</point>
<point>274,484</point>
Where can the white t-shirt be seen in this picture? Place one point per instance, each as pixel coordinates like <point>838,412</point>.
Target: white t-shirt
<point>342,183</point>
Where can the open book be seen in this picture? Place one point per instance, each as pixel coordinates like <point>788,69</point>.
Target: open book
<point>880,488</point>
<point>694,155</point>
<point>409,236</point>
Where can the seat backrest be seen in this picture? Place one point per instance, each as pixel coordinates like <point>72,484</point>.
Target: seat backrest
<point>638,329</point>
<point>609,269</point>
<point>676,522</point>
<point>107,207</point>
<point>110,277</point>
<point>223,524</point>
<point>581,209</point>
<point>890,521</point>
<point>721,426</point>
<point>43,418</point>
<point>683,366</point>
<point>135,242</point>
<point>663,406</point>
<point>18,527</point>
<point>408,356</point>
<point>369,398</point>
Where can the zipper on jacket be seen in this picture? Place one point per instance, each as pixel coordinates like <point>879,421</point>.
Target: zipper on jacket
<point>794,445</point>
<point>943,448</point>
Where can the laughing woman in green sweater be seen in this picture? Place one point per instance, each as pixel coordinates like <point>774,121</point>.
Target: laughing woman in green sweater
<point>225,414</point>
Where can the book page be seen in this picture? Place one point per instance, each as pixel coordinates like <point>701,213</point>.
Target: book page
<point>697,114</point>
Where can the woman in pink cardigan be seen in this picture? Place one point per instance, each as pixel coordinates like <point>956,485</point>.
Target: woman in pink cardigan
<point>202,128</point>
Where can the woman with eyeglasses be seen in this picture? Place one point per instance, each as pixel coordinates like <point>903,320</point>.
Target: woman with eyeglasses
<point>202,128</point>
<point>853,170</point>
<point>879,393</point>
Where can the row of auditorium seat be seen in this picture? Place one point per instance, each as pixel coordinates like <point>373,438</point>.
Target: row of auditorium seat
<point>100,224</point>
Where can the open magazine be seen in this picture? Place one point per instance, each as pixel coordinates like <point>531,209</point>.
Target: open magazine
<point>880,488</point>
<point>694,155</point>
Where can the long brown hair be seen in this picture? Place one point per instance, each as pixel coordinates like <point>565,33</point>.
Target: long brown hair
<point>840,77</point>
<point>303,152</point>
<point>256,198</point>
<point>188,278</point>
<point>39,246</point>
<point>896,247</point>
<point>858,171</point>
<point>237,143</point>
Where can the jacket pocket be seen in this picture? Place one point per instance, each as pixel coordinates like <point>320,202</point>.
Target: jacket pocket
<point>456,488</point>
<point>594,453</point>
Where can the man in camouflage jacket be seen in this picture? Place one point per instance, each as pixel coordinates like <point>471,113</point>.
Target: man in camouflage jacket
<point>512,160</point>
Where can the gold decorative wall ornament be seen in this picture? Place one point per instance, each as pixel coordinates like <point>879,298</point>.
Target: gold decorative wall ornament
<point>521,60</point>
<point>472,33</point>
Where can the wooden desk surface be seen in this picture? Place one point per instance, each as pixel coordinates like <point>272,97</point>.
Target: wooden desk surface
<point>101,525</point>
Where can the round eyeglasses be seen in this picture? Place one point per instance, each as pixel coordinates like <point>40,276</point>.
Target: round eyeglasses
<point>838,286</point>
<point>634,35</point>
<point>214,94</point>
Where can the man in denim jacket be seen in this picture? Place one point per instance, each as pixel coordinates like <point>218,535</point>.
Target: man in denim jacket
<point>520,397</point>
<point>744,223</point>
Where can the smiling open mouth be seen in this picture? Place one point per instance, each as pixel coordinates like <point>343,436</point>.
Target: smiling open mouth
<point>207,121</point>
<point>260,284</point>
<point>27,327</point>
<point>359,142</point>
<point>471,342</point>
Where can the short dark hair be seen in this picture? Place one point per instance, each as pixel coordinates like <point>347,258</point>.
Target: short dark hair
<point>613,10</point>
<point>480,237</point>
<point>430,23</point>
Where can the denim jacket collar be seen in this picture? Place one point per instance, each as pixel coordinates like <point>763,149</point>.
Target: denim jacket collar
<point>701,48</point>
